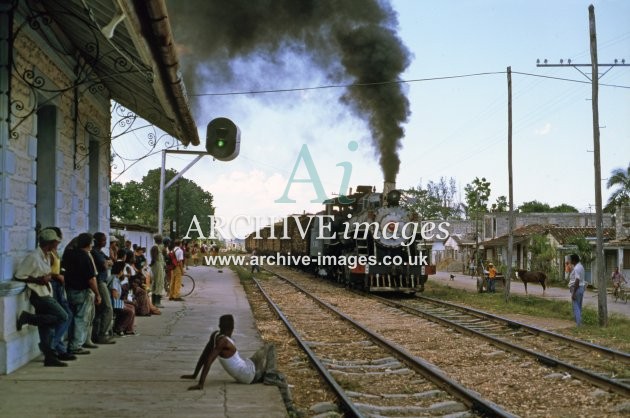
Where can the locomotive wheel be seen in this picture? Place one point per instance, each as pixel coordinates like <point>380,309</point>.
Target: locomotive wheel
<point>347,277</point>
<point>339,276</point>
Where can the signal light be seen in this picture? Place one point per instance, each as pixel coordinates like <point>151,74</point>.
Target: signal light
<point>223,139</point>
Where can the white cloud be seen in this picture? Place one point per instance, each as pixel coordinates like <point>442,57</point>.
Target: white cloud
<point>246,195</point>
<point>544,130</point>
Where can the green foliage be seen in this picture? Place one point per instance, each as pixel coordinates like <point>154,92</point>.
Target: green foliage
<point>501,205</point>
<point>564,208</point>
<point>534,207</point>
<point>620,179</point>
<point>437,201</point>
<point>477,195</point>
<point>539,207</point>
<point>135,202</point>
<point>543,254</point>
<point>584,250</point>
<point>126,201</point>
<point>419,201</point>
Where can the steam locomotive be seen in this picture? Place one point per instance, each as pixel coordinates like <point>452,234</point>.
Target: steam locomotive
<point>364,239</point>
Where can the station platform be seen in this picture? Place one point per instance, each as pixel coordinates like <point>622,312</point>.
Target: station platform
<point>140,375</point>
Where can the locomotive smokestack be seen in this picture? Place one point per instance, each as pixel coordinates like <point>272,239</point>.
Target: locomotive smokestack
<point>388,186</point>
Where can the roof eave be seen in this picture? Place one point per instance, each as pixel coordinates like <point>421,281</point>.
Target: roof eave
<point>156,29</point>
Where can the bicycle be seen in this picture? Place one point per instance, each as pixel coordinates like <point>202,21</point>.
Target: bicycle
<point>188,285</point>
<point>621,293</point>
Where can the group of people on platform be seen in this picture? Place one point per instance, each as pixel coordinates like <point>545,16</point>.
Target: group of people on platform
<point>86,297</point>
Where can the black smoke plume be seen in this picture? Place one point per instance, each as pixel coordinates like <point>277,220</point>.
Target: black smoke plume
<point>351,41</point>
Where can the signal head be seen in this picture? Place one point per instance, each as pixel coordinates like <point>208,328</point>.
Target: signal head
<point>223,139</point>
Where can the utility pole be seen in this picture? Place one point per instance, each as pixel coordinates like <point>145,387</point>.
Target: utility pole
<point>508,272</point>
<point>602,302</point>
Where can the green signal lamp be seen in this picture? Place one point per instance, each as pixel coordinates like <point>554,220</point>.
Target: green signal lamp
<point>223,139</point>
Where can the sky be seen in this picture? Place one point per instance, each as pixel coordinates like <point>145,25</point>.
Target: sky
<point>457,127</point>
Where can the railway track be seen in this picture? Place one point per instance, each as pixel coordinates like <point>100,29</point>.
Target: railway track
<point>370,375</point>
<point>602,366</point>
<point>496,370</point>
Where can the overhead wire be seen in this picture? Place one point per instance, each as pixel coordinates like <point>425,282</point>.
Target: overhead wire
<point>416,80</point>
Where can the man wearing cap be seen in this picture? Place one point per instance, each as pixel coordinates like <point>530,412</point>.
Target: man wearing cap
<point>35,271</point>
<point>59,293</point>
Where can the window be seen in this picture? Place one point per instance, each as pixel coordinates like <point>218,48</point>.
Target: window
<point>94,186</point>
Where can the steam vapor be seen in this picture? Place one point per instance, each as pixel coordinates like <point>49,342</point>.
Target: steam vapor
<point>351,41</point>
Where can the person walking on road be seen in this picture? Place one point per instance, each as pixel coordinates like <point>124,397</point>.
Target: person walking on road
<point>261,367</point>
<point>577,285</point>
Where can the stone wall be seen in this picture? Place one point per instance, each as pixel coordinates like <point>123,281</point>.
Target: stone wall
<point>19,177</point>
<point>622,223</point>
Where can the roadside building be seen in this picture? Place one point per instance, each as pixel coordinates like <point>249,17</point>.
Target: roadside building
<point>63,65</point>
<point>617,250</point>
<point>560,239</point>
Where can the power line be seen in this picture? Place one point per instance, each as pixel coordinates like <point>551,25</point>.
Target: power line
<point>380,83</point>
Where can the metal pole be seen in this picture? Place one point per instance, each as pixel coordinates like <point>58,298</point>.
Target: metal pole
<point>161,198</point>
<point>163,186</point>
<point>508,272</point>
<point>602,307</point>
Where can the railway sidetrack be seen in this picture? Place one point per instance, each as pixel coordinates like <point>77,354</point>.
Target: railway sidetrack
<point>505,363</point>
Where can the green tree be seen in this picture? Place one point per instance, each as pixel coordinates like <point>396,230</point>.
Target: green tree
<point>534,207</point>
<point>127,201</point>
<point>436,201</point>
<point>584,250</point>
<point>564,208</point>
<point>419,201</point>
<point>539,207</point>
<point>543,254</point>
<point>501,205</point>
<point>138,202</point>
<point>477,195</point>
<point>620,179</point>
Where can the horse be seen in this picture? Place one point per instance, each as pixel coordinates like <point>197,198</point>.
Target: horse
<point>533,277</point>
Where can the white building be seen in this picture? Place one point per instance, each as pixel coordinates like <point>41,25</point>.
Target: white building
<point>61,65</point>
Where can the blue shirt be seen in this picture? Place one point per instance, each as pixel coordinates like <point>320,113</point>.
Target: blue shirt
<point>100,259</point>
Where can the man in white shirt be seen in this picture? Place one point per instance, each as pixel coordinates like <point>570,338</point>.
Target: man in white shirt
<point>261,367</point>
<point>577,286</point>
<point>35,270</point>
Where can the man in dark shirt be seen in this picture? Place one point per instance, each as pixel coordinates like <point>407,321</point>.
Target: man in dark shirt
<point>80,279</point>
<point>102,325</point>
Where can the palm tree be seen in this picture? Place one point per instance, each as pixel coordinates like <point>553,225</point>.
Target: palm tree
<point>621,179</point>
